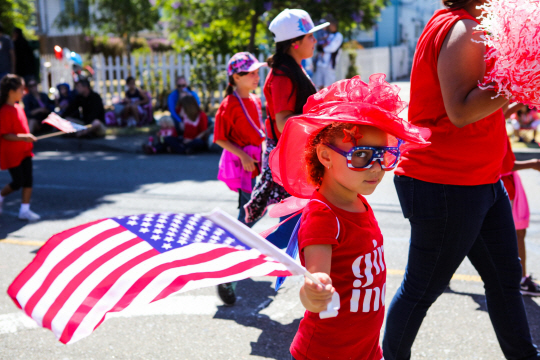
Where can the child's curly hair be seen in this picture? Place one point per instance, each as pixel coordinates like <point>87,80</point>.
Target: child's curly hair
<point>315,170</point>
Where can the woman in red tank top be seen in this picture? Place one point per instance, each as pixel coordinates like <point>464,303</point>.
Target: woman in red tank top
<point>451,191</point>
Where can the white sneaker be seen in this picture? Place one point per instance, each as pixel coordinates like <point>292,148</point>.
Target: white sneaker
<point>29,215</point>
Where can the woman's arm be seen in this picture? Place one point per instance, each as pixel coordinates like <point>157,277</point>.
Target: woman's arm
<point>281,119</point>
<point>171,102</point>
<point>247,161</point>
<point>318,259</point>
<point>527,164</point>
<point>460,67</point>
<point>145,100</point>
<point>510,110</point>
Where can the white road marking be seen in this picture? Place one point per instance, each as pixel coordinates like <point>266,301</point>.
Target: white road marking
<point>174,305</point>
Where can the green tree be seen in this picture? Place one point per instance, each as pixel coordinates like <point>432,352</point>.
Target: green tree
<point>228,26</point>
<point>123,18</point>
<point>17,13</point>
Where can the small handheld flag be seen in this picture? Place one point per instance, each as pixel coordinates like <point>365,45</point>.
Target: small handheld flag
<point>82,274</point>
<point>65,126</point>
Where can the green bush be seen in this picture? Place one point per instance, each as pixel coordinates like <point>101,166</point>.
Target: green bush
<point>114,46</point>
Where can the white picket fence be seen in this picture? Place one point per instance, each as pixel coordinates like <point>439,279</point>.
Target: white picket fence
<point>157,72</point>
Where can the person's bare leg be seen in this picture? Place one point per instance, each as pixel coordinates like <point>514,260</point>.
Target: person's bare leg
<point>6,191</point>
<point>522,250</point>
<point>26,195</point>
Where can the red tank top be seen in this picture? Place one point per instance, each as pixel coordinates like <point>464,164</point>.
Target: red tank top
<point>471,155</point>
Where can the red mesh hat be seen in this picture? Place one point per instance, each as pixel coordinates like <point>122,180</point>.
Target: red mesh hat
<point>350,101</point>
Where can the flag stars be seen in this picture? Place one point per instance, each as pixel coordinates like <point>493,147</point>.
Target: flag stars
<point>132,222</point>
<point>169,239</point>
<point>160,226</point>
<point>182,242</point>
<point>162,221</point>
<point>167,246</point>
<point>146,224</point>
<point>144,230</point>
<point>157,231</point>
<point>155,237</point>
<point>134,217</point>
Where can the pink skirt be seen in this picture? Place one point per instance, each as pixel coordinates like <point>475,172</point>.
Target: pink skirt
<point>231,171</point>
<point>520,206</point>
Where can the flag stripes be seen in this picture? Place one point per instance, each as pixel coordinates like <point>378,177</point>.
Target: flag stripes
<point>81,275</point>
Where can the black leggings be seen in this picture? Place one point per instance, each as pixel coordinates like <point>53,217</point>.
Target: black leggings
<point>22,175</point>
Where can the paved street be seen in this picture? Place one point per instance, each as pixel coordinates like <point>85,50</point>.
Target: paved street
<point>75,187</point>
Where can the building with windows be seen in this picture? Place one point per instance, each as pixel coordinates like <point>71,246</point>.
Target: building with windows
<point>403,21</point>
<point>50,35</point>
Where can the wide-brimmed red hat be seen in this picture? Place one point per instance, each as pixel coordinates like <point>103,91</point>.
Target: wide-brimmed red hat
<point>350,101</point>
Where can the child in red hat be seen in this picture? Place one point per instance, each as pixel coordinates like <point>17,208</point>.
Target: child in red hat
<point>349,135</point>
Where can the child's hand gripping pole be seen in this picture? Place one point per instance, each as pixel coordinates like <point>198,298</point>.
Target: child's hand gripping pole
<point>255,241</point>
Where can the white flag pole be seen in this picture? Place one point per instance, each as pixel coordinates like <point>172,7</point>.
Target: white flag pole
<point>254,240</point>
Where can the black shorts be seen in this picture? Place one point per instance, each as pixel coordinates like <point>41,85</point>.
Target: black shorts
<point>22,175</point>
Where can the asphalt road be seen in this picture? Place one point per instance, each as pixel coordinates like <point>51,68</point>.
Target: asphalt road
<point>73,188</point>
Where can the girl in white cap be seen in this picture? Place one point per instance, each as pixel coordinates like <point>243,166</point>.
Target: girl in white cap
<point>286,89</point>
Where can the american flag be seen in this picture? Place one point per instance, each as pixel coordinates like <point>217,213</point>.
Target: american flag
<point>109,265</point>
<point>62,124</point>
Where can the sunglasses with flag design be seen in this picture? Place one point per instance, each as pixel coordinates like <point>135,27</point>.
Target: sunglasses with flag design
<point>361,158</point>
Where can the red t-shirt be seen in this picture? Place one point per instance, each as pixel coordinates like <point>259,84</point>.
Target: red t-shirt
<point>193,128</point>
<point>471,155</point>
<point>277,91</point>
<point>13,121</point>
<point>507,166</point>
<point>233,125</point>
<point>358,273</point>
<point>167,132</point>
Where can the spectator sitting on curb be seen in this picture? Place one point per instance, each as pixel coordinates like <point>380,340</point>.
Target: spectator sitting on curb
<point>135,98</point>
<point>93,112</point>
<point>173,101</point>
<point>64,98</point>
<point>37,106</point>
<point>195,130</point>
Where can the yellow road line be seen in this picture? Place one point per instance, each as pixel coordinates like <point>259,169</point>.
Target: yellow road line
<point>22,242</point>
<point>463,277</point>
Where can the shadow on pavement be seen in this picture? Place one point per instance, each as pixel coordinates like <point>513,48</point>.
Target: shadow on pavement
<point>68,183</point>
<point>531,307</point>
<point>7,227</point>
<point>276,338</point>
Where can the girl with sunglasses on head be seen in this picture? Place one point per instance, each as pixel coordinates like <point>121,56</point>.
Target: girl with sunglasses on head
<point>349,135</point>
<point>239,130</point>
<point>286,89</point>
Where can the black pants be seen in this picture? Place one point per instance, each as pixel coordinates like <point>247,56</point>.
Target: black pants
<point>22,175</point>
<point>449,223</point>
